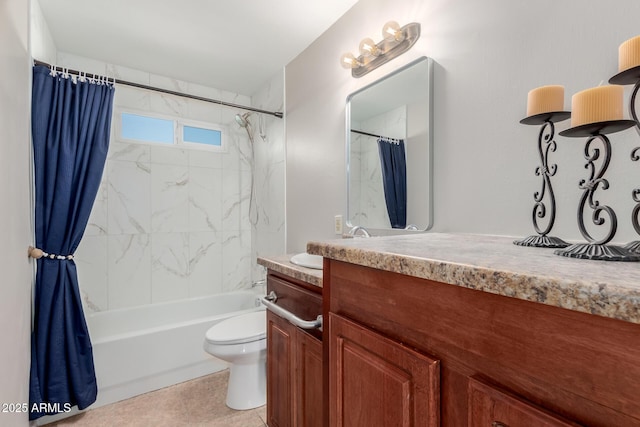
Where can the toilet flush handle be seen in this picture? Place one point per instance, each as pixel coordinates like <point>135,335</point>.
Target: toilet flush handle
<point>270,302</point>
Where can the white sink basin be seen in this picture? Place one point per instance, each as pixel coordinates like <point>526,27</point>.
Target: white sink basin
<point>307,260</point>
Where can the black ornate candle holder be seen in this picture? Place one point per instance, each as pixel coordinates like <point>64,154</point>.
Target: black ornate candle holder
<point>546,144</point>
<point>597,249</point>
<point>632,77</point>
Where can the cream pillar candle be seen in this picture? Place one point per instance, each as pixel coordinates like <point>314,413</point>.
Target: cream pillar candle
<point>598,104</point>
<point>545,99</point>
<point>629,54</point>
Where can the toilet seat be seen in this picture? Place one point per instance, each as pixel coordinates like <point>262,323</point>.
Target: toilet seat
<point>240,329</point>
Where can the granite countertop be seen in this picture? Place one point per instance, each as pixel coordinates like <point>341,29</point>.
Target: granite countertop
<point>282,264</point>
<point>494,264</point>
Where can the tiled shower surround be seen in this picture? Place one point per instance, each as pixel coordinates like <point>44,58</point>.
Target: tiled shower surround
<point>171,223</point>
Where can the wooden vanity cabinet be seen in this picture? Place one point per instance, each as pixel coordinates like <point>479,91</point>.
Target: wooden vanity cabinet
<point>503,362</point>
<point>294,357</point>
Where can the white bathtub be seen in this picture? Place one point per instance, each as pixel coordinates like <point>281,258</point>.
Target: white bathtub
<point>140,349</point>
<point>145,348</point>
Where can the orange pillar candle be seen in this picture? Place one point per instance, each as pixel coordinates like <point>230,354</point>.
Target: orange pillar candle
<point>545,99</point>
<point>598,104</point>
<point>629,54</point>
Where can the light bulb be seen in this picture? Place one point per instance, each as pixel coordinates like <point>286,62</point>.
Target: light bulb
<point>391,31</point>
<point>349,61</point>
<point>369,48</point>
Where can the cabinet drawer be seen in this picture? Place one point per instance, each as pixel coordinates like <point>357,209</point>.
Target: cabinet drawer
<point>491,407</point>
<point>299,301</point>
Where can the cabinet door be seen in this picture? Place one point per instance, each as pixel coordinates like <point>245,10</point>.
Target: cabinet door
<point>308,380</point>
<point>294,360</point>
<point>280,344</point>
<point>377,382</point>
<point>490,407</point>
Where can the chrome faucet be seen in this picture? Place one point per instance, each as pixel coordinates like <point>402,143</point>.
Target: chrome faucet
<point>358,228</point>
<point>411,227</point>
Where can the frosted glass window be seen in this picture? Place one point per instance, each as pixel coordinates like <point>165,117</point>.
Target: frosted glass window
<point>198,135</point>
<point>149,129</point>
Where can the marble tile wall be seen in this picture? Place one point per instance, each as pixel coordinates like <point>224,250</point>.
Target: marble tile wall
<point>268,223</point>
<point>367,206</point>
<point>171,223</point>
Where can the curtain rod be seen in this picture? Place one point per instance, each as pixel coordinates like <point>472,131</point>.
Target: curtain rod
<point>157,89</point>
<point>370,134</point>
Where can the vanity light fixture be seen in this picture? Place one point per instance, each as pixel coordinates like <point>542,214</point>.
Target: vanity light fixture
<point>396,40</point>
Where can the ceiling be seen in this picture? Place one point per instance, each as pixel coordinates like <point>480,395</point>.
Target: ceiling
<point>235,45</point>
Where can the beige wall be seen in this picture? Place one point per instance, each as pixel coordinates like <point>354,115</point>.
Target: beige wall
<point>15,223</point>
<point>487,55</point>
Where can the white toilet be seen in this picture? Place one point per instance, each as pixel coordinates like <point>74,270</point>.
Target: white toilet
<point>242,342</point>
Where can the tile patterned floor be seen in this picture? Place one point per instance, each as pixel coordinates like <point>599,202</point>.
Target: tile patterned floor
<point>198,402</point>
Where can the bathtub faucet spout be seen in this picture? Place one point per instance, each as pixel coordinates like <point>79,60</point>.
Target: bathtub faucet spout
<point>261,282</point>
<point>260,288</point>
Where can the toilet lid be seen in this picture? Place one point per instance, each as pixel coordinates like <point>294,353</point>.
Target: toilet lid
<point>239,329</point>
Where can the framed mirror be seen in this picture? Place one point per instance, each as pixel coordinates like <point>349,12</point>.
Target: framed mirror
<point>389,151</point>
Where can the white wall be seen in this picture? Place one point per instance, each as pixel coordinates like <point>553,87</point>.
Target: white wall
<point>488,55</point>
<point>15,214</point>
<point>43,48</point>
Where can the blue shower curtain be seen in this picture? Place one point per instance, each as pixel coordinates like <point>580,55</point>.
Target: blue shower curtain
<point>394,180</point>
<point>70,131</point>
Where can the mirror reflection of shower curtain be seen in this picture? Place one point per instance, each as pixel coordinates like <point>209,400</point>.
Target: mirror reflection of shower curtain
<point>394,179</point>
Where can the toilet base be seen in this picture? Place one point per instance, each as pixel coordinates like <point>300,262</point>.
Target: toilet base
<point>247,387</point>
